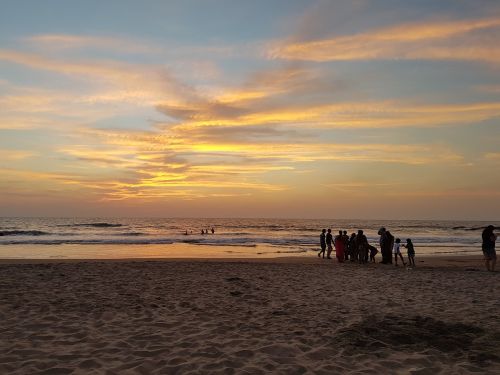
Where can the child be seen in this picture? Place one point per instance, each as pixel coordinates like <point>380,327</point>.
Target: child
<point>373,252</point>
<point>411,252</point>
<point>396,251</point>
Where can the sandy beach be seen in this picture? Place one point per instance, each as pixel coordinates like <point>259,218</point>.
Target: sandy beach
<point>287,315</point>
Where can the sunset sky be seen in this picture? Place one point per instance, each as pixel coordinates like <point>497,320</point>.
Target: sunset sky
<point>271,108</point>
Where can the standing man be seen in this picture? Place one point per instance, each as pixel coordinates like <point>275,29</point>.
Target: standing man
<point>386,243</point>
<point>322,242</point>
<point>362,243</point>
<point>329,243</point>
<point>490,255</point>
<point>345,238</point>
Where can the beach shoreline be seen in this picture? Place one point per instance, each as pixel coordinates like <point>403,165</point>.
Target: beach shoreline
<point>427,261</point>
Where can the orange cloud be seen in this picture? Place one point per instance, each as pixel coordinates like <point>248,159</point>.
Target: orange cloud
<point>429,40</point>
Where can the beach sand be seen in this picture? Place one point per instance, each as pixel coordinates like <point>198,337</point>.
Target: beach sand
<point>287,315</point>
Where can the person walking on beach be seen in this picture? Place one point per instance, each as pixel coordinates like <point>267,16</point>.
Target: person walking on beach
<point>329,241</point>
<point>322,242</point>
<point>339,244</point>
<point>490,255</point>
<point>411,252</point>
<point>397,252</point>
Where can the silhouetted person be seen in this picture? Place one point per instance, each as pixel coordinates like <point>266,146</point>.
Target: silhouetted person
<point>386,244</point>
<point>362,243</point>
<point>411,252</point>
<point>353,248</point>
<point>373,251</point>
<point>213,230</point>
<point>346,245</point>
<point>329,241</point>
<point>488,246</point>
<point>322,243</point>
<point>339,247</point>
<point>397,252</point>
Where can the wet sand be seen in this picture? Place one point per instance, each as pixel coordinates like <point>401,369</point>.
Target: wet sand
<point>284,315</point>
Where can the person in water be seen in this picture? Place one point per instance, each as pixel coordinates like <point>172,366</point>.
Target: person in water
<point>322,243</point>
<point>213,230</point>
<point>397,252</point>
<point>488,246</point>
<point>329,241</point>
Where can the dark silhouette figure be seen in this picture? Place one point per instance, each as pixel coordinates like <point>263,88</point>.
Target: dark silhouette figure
<point>488,246</point>
<point>386,244</point>
<point>353,248</point>
<point>411,252</point>
<point>362,243</point>
<point>322,242</point>
<point>213,230</point>
<point>339,247</point>
<point>397,252</point>
<point>346,245</point>
<point>329,241</point>
<point>373,251</point>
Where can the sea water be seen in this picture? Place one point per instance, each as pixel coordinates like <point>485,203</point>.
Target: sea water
<point>155,237</point>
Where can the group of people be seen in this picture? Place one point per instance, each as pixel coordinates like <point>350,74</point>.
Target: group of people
<point>357,249</point>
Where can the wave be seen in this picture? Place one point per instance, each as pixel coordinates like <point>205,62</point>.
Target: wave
<point>88,242</point>
<point>468,228</point>
<point>94,225</point>
<point>23,233</point>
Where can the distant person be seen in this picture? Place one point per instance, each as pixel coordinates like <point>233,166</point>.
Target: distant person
<point>329,242</point>
<point>202,231</point>
<point>353,248</point>
<point>345,237</point>
<point>339,244</point>
<point>386,245</point>
<point>373,251</point>
<point>488,246</point>
<point>411,252</point>
<point>397,252</point>
<point>362,243</point>
<point>186,233</point>
<point>213,230</point>
<point>322,243</point>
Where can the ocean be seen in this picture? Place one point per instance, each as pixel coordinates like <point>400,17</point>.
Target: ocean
<point>154,237</point>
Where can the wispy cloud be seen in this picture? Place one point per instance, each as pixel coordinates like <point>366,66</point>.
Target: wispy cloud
<point>113,43</point>
<point>15,154</point>
<point>434,40</point>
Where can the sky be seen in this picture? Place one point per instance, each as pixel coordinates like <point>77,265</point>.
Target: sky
<point>368,109</point>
